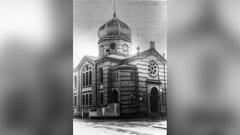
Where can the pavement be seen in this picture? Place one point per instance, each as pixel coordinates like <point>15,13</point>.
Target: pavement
<point>119,127</point>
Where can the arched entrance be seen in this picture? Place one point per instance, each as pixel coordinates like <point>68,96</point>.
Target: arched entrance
<point>115,96</point>
<point>154,100</point>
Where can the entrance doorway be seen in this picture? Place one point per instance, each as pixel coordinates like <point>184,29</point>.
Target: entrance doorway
<point>154,100</point>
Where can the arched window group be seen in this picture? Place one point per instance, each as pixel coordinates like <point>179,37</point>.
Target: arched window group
<point>87,99</point>
<point>100,75</point>
<point>87,76</point>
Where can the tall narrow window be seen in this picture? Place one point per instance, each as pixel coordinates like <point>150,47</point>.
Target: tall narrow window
<point>84,83</point>
<point>101,75</point>
<point>115,77</point>
<point>75,100</point>
<point>90,99</point>
<point>101,98</point>
<point>83,100</point>
<point>87,78</point>
<point>132,76</point>
<point>115,96</point>
<point>90,77</point>
<point>75,81</point>
<point>87,99</point>
<point>132,98</point>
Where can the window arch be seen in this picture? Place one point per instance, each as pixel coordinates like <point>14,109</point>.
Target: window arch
<point>87,76</point>
<point>101,75</point>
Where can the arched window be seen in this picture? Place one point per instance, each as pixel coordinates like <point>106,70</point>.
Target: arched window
<point>90,99</point>
<point>83,100</point>
<point>90,77</point>
<point>87,76</point>
<point>101,98</point>
<point>84,83</point>
<point>132,98</point>
<point>100,75</point>
<point>75,100</point>
<point>86,99</point>
<point>115,96</point>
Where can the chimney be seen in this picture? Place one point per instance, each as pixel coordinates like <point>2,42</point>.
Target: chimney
<point>138,50</point>
<point>152,44</point>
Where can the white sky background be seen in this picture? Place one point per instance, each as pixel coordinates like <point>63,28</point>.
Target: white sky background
<point>26,20</point>
<point>147,20</point>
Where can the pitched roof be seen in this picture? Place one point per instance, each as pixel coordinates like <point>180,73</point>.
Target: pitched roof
<point>122,59</point>
<point>148,52</point>
<point>89,58</point>
<point>93,58</point>
<point>116,56</point>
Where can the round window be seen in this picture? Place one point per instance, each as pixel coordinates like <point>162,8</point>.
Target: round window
<point>153,69</point>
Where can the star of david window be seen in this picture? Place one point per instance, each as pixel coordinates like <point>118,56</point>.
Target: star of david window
<point>153,69</point>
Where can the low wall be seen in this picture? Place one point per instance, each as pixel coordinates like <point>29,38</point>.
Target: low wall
<point>111,110</point>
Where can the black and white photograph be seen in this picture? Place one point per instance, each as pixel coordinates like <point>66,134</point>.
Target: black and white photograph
<point>120,67</point>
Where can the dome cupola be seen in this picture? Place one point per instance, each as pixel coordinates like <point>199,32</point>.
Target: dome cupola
<point>114,37</point>
<point>114,29</point>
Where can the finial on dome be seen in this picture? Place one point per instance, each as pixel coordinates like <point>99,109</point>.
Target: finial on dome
<point>114,14</point>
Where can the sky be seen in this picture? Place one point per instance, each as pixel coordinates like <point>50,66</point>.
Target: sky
<point>146,18</point>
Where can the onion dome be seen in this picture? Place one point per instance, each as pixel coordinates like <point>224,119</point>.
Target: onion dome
<point>114,29</point>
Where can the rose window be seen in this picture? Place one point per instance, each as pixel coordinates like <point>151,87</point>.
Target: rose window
<point>153,69</point>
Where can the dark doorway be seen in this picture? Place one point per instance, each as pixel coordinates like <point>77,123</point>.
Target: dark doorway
<point>154,100</point>
<point>115,96</point>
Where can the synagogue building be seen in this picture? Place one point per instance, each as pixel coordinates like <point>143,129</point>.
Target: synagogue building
<point>117,83</point>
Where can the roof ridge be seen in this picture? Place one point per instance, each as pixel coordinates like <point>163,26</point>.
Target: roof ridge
<point>146,51</point>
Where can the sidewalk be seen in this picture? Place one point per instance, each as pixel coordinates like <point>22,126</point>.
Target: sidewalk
<point>119,127</point>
